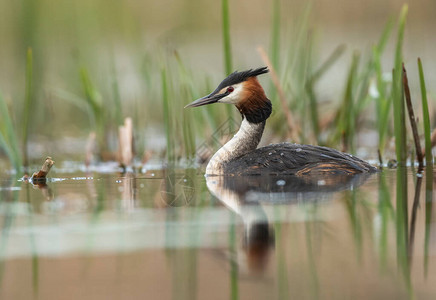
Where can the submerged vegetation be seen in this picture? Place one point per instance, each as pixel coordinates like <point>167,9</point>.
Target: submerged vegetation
<point>367,97</point>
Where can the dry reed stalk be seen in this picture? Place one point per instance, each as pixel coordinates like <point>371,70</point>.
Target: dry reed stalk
<point>126,142</point>
<point>433,141</point>
<point>293,129</point>
<point>91,148</point>
<point>42,174</point>
<point>146,156</point>
<point>380,159</point>
<point>433,138</point>
<point>412,120</point>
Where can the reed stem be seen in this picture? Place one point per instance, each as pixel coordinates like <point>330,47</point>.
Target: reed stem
<point>294,130</point>
<point>27,107</point>
<point>227,46</point>
<point>426,117</point>
<point>412,120</point>
<point>398,94</point>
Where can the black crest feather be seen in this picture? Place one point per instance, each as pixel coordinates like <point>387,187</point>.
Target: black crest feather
<point>238,77</point>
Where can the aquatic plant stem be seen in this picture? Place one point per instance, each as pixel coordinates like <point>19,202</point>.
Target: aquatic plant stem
<point>8,140</point>
<point>27,107</point>
<point>398,96</point>
<point>310,89</point>
<point>426,117</point>
<point>95,103</point>
<point>234,268</point>
<point>226,37</point>
<point>401,153</point>
<point>399,120</point>
<point>294,130</point>
<point>383,99</point>
<point>347,116</point>
<point>167,117</point>
<point>412,120</point>
<point>275,35</point>
<point>227,45</point>
<point>428,168</point>
<point>415,206</point>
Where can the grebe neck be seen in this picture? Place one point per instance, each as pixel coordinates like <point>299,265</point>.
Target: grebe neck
<point>245,140</point>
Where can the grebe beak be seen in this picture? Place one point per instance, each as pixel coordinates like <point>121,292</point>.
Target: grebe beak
<point>209,99</point>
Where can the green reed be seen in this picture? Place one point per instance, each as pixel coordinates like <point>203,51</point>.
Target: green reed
<point>428,168</point>
<point>383,96</point>
<point>425,115</point>
<point>188,122</point>
<point>95,102</point>
<point>386,212</point>
<point>180,87</point>
<point>275,35</point>
<point>401,224</point>
<point>295,69</point>
<point>293,51</point>
<point>234,268</point>
<point>281,263</point>
<point>401,152</point>
<point>347,114</point>
<point>8,220</point>
<point>310,89</point>
<point>8,139</point>
<point>310,242</point>
<point>228,64</point>
<point>116,95</point>
<point>398,93</point>
<point>299,73</point>
<point>28,107</point>
<point>167,116</point>
<point>32,242</point>
<point>228,61</point>
<point>275,44</point>
<point>365,74</point>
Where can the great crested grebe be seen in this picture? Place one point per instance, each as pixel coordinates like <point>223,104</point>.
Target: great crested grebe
<point>239,156</point>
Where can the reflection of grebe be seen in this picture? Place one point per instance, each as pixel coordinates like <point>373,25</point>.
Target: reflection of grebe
<point>245,195</point>
<point>239,156</point>
<point>258,238</point>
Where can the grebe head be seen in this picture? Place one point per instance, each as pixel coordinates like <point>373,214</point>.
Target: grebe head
<point>244,91</point>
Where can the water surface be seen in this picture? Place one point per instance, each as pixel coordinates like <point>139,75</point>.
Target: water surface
<point>178,235</point>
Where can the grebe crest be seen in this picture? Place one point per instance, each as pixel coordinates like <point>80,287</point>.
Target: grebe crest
<point>239,156</point>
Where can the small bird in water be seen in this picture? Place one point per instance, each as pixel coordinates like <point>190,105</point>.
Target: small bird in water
<point>239,156</point>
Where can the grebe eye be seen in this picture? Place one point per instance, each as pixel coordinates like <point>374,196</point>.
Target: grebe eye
<point>230,89</point>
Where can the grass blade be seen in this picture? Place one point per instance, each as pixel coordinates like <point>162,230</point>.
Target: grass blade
<point>426,117</point>
<point>95,102</point>
<point>428,168</point>
<point>228,64</point>
<point>334,56</point>
<point>116,95</point>
<point>398,96</point>
<point>27,107</point>
<point>8,140</point>
<point>226,37</point>
<point>310,88</point>
<point>346,117</point>
<point>275,35</point>
<point>167,116</point>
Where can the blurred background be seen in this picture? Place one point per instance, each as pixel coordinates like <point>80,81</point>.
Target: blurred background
<point>117,54</point>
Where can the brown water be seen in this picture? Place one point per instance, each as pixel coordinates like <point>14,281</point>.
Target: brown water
<point>176,235</point>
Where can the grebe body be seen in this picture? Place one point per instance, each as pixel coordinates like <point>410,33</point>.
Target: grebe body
<point>239,156</point>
